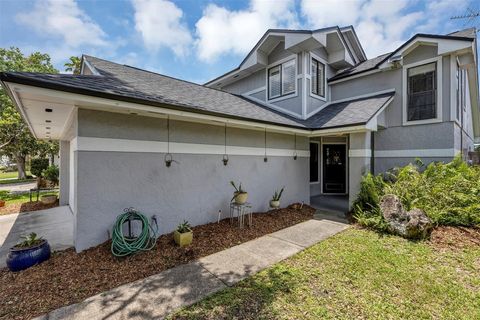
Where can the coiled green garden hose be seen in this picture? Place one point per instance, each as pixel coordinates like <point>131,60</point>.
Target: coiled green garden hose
<point>124,245</point>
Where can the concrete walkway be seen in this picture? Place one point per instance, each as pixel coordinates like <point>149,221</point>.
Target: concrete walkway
<point>55,225</point>
<point>21,187</point>
<point>157,296</point>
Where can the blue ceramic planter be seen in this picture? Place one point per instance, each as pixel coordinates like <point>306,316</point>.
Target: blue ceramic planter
<point>22,258</point>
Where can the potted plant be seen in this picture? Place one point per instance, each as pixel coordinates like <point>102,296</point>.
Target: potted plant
<point>31,251</point>
<point>275,202</point>
<point>240,196</point>
<point>183,236</point>
<point>48,198</point>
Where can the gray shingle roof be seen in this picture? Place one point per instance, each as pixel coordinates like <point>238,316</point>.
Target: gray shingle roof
<point>468,33</point>
<point>349,113</point>
<point>361,67</point>
<point>135,85</point>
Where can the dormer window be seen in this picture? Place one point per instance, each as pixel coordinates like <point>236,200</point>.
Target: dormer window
<point>282,79</point>
<point>318,78</point>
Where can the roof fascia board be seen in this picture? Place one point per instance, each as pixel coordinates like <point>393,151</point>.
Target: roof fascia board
<point>357,75</point>
<point>357,41</point>
<point>18,105</point>
<point>89,66</point>
<point>90,101</point>
<point>342,39</point>
<point>86,101</point>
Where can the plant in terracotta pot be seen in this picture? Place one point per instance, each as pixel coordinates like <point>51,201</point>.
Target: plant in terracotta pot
<point>31,251</point>
<point>48,198</point>
<point>275,202</point>
<point>240,196</point>
<point>183,236</point>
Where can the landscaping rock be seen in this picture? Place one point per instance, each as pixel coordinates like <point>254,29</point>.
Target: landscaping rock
<point>413,224</point>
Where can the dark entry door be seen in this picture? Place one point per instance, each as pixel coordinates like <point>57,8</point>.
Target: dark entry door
<point>334,168</point>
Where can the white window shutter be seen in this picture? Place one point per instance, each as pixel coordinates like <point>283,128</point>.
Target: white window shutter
<point>274,85</point>
<point>288,77</point>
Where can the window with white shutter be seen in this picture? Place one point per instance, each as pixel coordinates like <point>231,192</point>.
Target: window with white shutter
<point>282,79</point>
<point>274,84</point>
<point>288,77</point>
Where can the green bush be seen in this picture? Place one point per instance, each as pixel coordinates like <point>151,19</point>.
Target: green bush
<point>448,193</point>
<point>37,165</point>
<point>51,174</point>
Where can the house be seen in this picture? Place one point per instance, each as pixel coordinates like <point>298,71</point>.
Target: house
<point>305,109</point>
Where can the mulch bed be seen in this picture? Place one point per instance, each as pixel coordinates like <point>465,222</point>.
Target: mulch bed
<point>25,207</point>
<point>69,277</point>
<point>455,237</point>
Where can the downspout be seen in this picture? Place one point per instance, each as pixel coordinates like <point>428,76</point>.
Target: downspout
<point>372,147</point>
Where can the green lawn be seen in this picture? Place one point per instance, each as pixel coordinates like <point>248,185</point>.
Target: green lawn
<point>20,198</point>
<point>356,274</point>
<point>11,177</point>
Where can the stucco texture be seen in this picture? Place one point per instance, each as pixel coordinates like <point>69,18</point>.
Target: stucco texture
<point>195,188</point>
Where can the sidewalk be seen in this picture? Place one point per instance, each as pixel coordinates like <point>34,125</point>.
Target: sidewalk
<point>157,296</point>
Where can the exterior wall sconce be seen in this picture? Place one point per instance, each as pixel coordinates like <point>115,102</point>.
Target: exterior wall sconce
<point>168,156</point>
<point>168,160</point>
<point>295,156</point>
<point>225,155</point>
<point>265,159</point>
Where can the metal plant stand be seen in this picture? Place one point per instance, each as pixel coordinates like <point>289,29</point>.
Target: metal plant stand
<point>241,212</point>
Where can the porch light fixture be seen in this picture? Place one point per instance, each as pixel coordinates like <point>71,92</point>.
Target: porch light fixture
<point>265,159</point>
<point>225,155</point>
<point>295,146</point>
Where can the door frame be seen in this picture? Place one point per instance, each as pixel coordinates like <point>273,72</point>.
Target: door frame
<point>346,166</point>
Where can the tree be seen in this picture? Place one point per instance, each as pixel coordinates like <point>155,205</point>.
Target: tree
<point>16,141</point>
<point>75,65</point>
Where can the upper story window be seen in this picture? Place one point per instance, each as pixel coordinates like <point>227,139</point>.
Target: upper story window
<point>282,79</point>
<point>318,78</point>
<point>422,92</point>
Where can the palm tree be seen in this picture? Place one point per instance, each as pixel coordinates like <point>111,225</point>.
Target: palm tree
<point>74,65</point>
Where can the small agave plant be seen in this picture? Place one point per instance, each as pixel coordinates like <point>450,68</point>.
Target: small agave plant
<point>275,202</point>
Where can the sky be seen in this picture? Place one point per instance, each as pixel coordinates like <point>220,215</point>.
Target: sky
<point>198,40</point>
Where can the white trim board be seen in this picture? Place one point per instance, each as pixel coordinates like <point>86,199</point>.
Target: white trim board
<point>413,153</point>
<point>360,153</point>
<point>144,146</point>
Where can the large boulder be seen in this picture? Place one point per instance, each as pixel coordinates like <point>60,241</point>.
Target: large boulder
<point>413,224</point>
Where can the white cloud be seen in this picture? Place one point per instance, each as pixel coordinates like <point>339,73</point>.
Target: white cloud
<point>221,31</point>
<point>160,24</point>
<point>63,19</point>
<point>381,25</point>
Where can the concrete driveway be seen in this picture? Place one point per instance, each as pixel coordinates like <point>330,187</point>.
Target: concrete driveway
<point>55,225</point>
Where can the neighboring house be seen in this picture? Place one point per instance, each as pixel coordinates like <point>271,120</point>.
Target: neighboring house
<point>305,110</point>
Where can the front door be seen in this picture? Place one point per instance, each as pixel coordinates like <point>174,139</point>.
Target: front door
<point>334,168</point>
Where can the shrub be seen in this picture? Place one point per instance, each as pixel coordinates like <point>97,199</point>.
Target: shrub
<point>37,165</point>
<point>51,174</point>
<point>448,193</point>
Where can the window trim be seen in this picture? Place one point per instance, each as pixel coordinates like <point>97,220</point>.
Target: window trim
<point>267,82</point>
<point>322,61</point>
<point>439,75</point>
